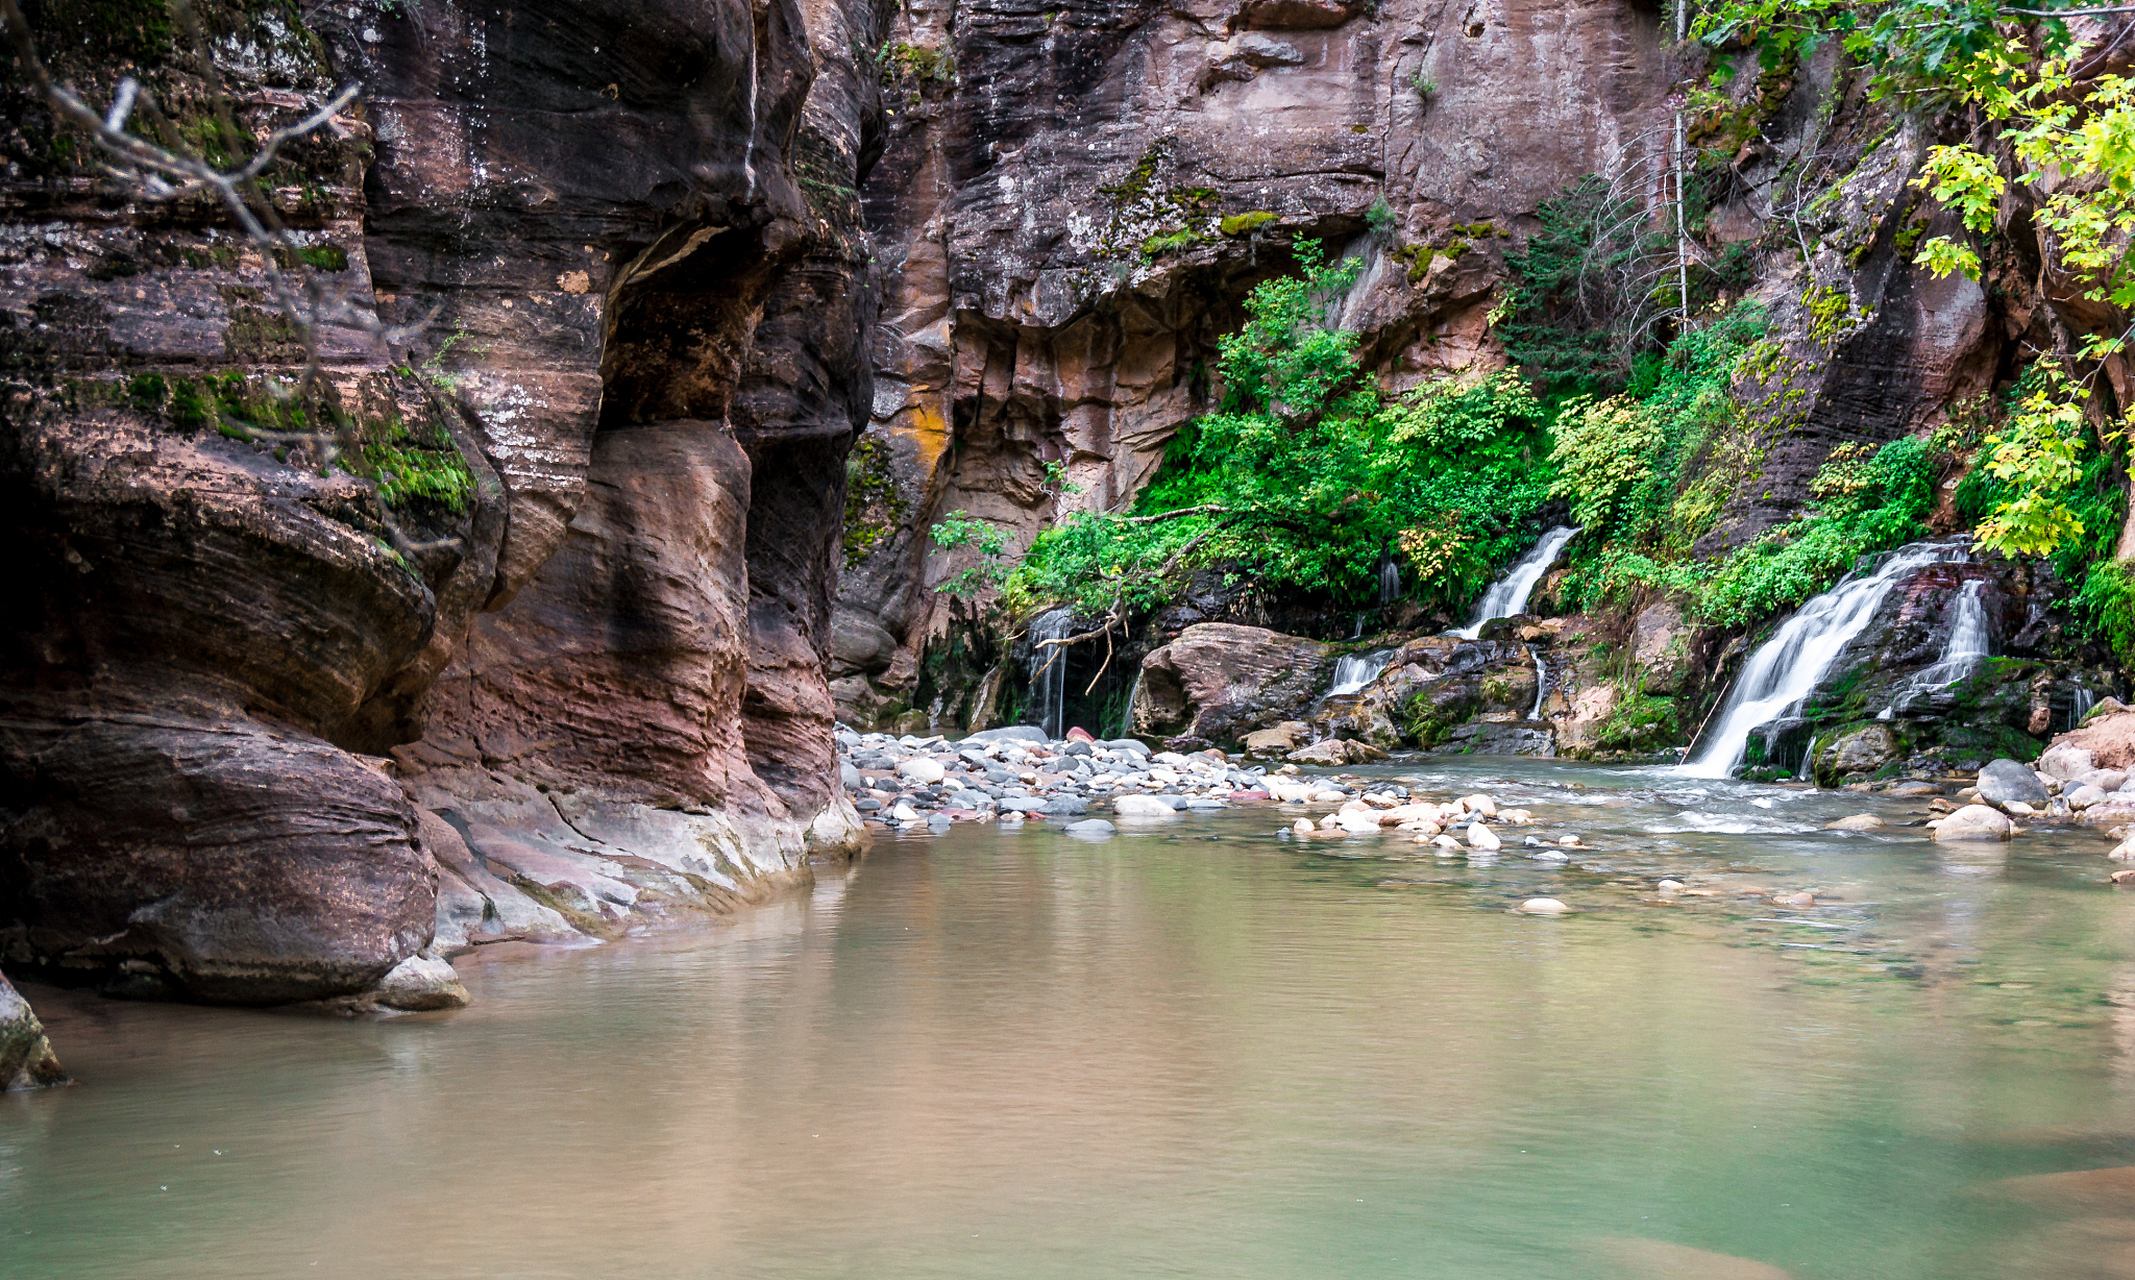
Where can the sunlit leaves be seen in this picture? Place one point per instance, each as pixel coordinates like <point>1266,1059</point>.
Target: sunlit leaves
<point>2035,456</point>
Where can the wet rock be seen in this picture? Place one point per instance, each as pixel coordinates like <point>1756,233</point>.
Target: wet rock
<point>1029,734</point>
<point>2107,780</point>
<point>1544,907</point>
<point>1973,822</point>
<point>1856,822</point>
<point>2003,781</point>
<point>1276,742</point>
<point>1482,837</point>
<point>1357,821</point>
<point>1864,750</point>
<point>1091,829</point>
<point>420,984</point>
<point>1217,681</point>
<point>26,1057</point>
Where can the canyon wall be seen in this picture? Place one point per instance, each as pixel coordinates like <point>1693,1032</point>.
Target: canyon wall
<point>546,604</point>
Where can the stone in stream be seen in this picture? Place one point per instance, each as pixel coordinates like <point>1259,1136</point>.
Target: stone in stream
<point>2004,780</point>
<point>26,1058</point>
<point>2083,797</point>
<point>419,984</point>
<point>1550,855</point>
<point>1303,826</point>
<point>1091,829</point>
<point>1482,837</point>
<point>1973,822</point>
<point>1544,907</point>
<point>1017,733</point>
<point>1856,822</point>
<point>1358,821</point>
<point>2124,851</point>
<point>1135,806</point>
<point>924,769</point>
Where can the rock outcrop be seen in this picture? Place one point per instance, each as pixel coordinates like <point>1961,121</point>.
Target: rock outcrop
<point>1072,205</point>
<point>592,607</point>
<point>26,1057</point>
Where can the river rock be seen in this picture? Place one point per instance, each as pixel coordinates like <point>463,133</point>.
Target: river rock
<point>1271,744</point>
<point>2108,780</point>
<point>2083,797</point>
<point>26,1058</point>
<point>922,769</point>
<point>420,984</point>
<point>1973,822</point>
<point>1862,751</point>
<point>1132,806</point>
<point>1358,821</point>
<point>2004,780</point>
<point>1091,828</point>
<point>1544,907</point>
<point>1217,681</point>
<point>1028,734</point>
<point>2107,741</point>
<point>1857,822</point>
<point>1482,837</point>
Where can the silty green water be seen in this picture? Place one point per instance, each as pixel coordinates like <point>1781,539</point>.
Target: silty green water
<point>1195,1049</point>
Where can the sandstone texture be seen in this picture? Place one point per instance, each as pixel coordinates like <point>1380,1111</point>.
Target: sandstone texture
<point>276,730</point>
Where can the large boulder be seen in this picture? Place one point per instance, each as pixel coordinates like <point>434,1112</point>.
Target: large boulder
<point>1973,822</point>
<point>1218,682</point>
<point>2003,781</point>
<point>1855,753</point>
<point>2106,742</point>
<point>26,1058</point>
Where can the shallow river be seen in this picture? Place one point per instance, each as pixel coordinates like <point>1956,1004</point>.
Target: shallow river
<point>1195,1049</point>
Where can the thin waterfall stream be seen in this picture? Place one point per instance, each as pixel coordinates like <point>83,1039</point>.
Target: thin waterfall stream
<point>1786,667</point>
<point>1048,669</point>
<point>1961,653</point>
<point>1508,595</point>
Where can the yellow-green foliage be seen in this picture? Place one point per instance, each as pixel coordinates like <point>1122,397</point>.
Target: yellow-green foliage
<point>1239,224</point>
<point>873,506</point>
<point>1829,311</point>
<point>915,63</point>
<point>1603,451</point>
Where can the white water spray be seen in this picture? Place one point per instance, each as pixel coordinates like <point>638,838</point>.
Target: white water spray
<point>1785,668</point>
<point>1960,653</point>
<point>1353,671</point>
<point>1508,595</point>
<point>1048,670</point>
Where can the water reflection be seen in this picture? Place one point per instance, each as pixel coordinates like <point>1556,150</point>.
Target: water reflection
<point>989,1053</point>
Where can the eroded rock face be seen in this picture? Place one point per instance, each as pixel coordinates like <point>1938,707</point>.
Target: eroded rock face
<point>1052,213</point>
<point>1218,682</point>
<point>635,298</point>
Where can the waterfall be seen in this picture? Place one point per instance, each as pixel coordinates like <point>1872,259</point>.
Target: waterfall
<point>1353,671</point>
<point>1508,595</point>
<point>1786,667</point>
<point>1048,670</point>
<point>2080,703</point>
<point>1541,686</point>
<point>1960,653</point>
<point>1389,581</point>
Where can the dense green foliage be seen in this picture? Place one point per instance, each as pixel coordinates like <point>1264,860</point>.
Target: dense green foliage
<point>1308,476</point>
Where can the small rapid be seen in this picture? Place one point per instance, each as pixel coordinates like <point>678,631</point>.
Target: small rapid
<point>1961,653</point>
<point>1354,671</point>
<point>1785,668</point>
<point>1508,595</point>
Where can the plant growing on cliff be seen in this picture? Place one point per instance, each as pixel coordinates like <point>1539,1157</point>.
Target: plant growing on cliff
<point>1307,475</point>
<point>959,530</point>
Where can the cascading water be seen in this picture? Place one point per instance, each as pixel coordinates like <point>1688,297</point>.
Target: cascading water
<point>1508,595</point>
<point>1960,653</point>
<point>1048,670</point>
<point>1541,686</point>
<point>1389,582</point>
<point>1354,671</point>
<point>1786,667</point>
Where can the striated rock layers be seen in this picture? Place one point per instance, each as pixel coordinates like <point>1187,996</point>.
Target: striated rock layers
<point>538,642</point>
<point>1073,204</point>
